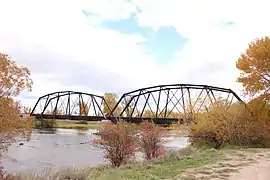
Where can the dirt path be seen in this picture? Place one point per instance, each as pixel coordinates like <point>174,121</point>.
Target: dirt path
<point>259,170</point>
<point>238,165</point>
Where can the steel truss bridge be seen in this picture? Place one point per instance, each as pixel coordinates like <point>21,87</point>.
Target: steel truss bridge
<point>162,104</point>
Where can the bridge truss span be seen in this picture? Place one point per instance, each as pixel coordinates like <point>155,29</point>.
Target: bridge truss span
<point>171,101</point>
<point>70,105</point>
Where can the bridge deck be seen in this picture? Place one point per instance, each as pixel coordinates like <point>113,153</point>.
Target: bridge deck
<point>100,118</point>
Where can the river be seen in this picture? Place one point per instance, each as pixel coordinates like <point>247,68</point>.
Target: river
<point>61,148</point>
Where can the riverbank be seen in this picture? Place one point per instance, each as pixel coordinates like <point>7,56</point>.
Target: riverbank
<point>83,125</point>
<point>87,125</point>
<point>67,124</point>
<point>185,164</point>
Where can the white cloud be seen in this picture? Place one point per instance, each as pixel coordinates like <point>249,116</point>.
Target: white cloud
<point>108,9</point>
<point>58,34</point>
<point>57,38</point>
<point>208,43</point>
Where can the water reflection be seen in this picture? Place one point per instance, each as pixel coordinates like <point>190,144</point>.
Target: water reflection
<point>55,148</point>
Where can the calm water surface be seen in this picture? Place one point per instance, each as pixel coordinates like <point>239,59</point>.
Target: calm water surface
<point>61,148</point>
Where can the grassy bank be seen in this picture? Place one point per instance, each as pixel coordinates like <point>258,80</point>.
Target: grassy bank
<point>66,124</point>
<point>85,125</point>
<point>166,167</point>
<point>162,168</point>
<point>186,164</point>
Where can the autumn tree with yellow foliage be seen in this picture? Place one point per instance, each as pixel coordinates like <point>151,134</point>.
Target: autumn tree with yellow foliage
<point>84,109</point>
<point>240,125</point>
<point>13,80</point>
<point>111,100</point>
<point>254,65</point>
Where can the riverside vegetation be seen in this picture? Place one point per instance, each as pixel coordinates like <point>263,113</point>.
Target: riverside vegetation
<point>66,124</point>
<point>245,130</point>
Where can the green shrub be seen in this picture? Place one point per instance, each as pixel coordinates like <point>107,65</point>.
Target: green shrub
<point>82,122</point>
<point>46,123</point>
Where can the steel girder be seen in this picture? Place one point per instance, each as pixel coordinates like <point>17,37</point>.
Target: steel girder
<point>159,103</point>
<point>170,101</point>
<point>69,105</point>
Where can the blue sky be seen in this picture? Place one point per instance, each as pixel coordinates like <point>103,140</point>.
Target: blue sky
<point>161,44</point>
